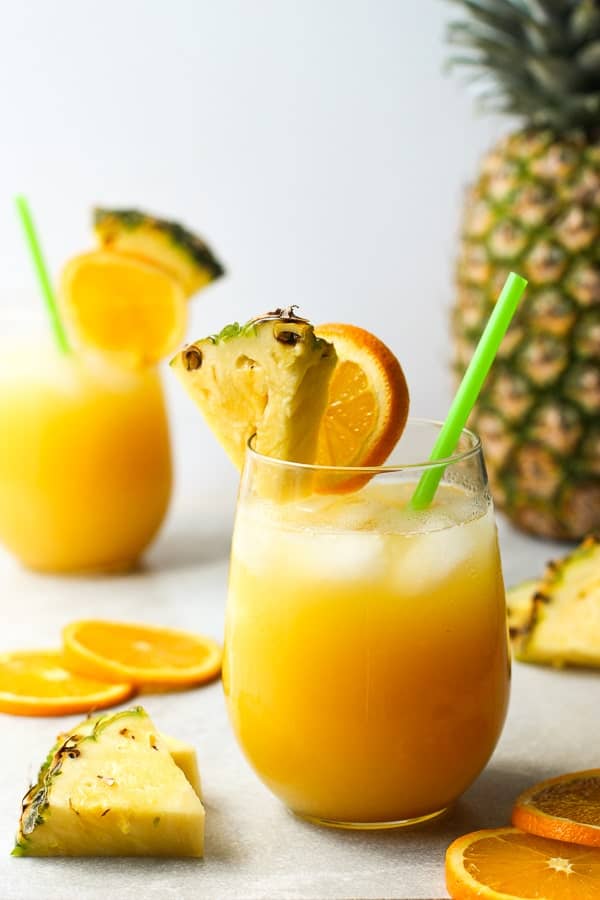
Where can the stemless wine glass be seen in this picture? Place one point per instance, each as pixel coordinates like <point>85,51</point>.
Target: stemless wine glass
<point>85,459</point>
<point>366,661</point>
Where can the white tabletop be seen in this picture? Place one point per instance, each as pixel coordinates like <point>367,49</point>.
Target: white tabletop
<point>254,848</point>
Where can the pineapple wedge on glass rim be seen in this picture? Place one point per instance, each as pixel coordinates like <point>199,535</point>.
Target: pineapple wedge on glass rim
<point>110,787</point>
<point>267,378</point>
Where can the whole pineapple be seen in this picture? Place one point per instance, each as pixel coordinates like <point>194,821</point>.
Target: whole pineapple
<point>535,209</point>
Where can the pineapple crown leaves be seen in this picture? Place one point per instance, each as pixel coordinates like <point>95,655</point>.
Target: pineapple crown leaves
<point>538,60</point>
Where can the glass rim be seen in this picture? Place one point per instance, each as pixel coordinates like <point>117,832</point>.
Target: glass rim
<point>458,456</point>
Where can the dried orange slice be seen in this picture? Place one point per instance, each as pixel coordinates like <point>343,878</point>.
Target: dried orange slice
<point>508,864</point>
<point>123,306</point>
<point>367,403</point>
<point>566,808</point>
<point>38,683</point>
<point>145,655</point>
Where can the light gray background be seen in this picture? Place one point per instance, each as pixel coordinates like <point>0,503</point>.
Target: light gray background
<point>316,143</point>
<point>320,149</point>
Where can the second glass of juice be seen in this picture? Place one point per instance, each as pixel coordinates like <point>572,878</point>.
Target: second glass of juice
<point>366,662</point>
<point>85,460</point>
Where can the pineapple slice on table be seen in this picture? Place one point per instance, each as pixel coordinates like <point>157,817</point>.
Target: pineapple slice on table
<point>182,254</point>
<point>562,626</point>
<point>268,377</point>
<point>110,787</point>
<point>182,754</point>
<point>519,604</point>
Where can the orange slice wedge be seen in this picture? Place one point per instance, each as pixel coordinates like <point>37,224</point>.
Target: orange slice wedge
<point>508,864</point>
<point>123,306</point>
<point>566,808</point>
<point>144,655</point>
<point>37,683</point>
<point>367,402</point>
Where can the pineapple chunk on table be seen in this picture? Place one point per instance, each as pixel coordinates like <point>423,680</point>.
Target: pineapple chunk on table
<point>111,787</point>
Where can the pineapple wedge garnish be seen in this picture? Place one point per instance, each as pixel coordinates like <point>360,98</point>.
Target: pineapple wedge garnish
<point>180,252</point>
<point>267,378</point>
<point>562,624</point>
<point>110,787</point>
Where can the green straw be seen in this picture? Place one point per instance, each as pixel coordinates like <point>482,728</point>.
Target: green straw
<point>470,387</point>
<point>42,273</point>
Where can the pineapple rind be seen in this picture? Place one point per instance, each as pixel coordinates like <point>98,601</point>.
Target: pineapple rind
<point>168,244</point>
<point>564,622</point>
<point>120,794</point>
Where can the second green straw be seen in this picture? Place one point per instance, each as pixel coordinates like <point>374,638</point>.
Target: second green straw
<point>469,388</point>
<point>39,265</point>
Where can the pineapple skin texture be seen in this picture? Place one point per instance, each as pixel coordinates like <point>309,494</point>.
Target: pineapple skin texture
<point>167,244</point>
<point>535,209</point>
<point>111,788</point>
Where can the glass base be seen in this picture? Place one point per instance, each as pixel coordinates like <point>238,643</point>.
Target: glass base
<point>122,567</point>
<point>371,826</point>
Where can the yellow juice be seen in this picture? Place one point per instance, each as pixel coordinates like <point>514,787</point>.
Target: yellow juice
<point>366,663</point>
<point>85,467</point>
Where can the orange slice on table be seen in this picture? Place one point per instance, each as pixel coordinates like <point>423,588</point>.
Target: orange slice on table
<point>508,864</point>
<point>367,402</point>
<point>566,808</point>
<point>145,655</point>
<point>37,683</point>
<point>123,306</point>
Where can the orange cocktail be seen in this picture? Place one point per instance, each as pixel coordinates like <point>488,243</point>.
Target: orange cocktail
<point>366,664</point>
<point>85,462</point>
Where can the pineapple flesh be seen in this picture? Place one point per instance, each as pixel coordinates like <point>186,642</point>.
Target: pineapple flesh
<point>184,757</point>
<point>267,378</point>
<point>519,604</point>
<point>111,788</point>
<point>169,245</point>
<point>535,208</point>
<point>558,622</point>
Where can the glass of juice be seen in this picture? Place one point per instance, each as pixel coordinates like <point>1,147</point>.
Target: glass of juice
<point>366,661</point>
<point>85,464</point>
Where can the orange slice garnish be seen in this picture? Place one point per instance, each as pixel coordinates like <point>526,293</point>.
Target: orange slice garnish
<point>123,306</point>
<point>38,683</point>
<point>144,655</point>
<point>566,808</point>
<point>508,864</point>
<point>367,402</point>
